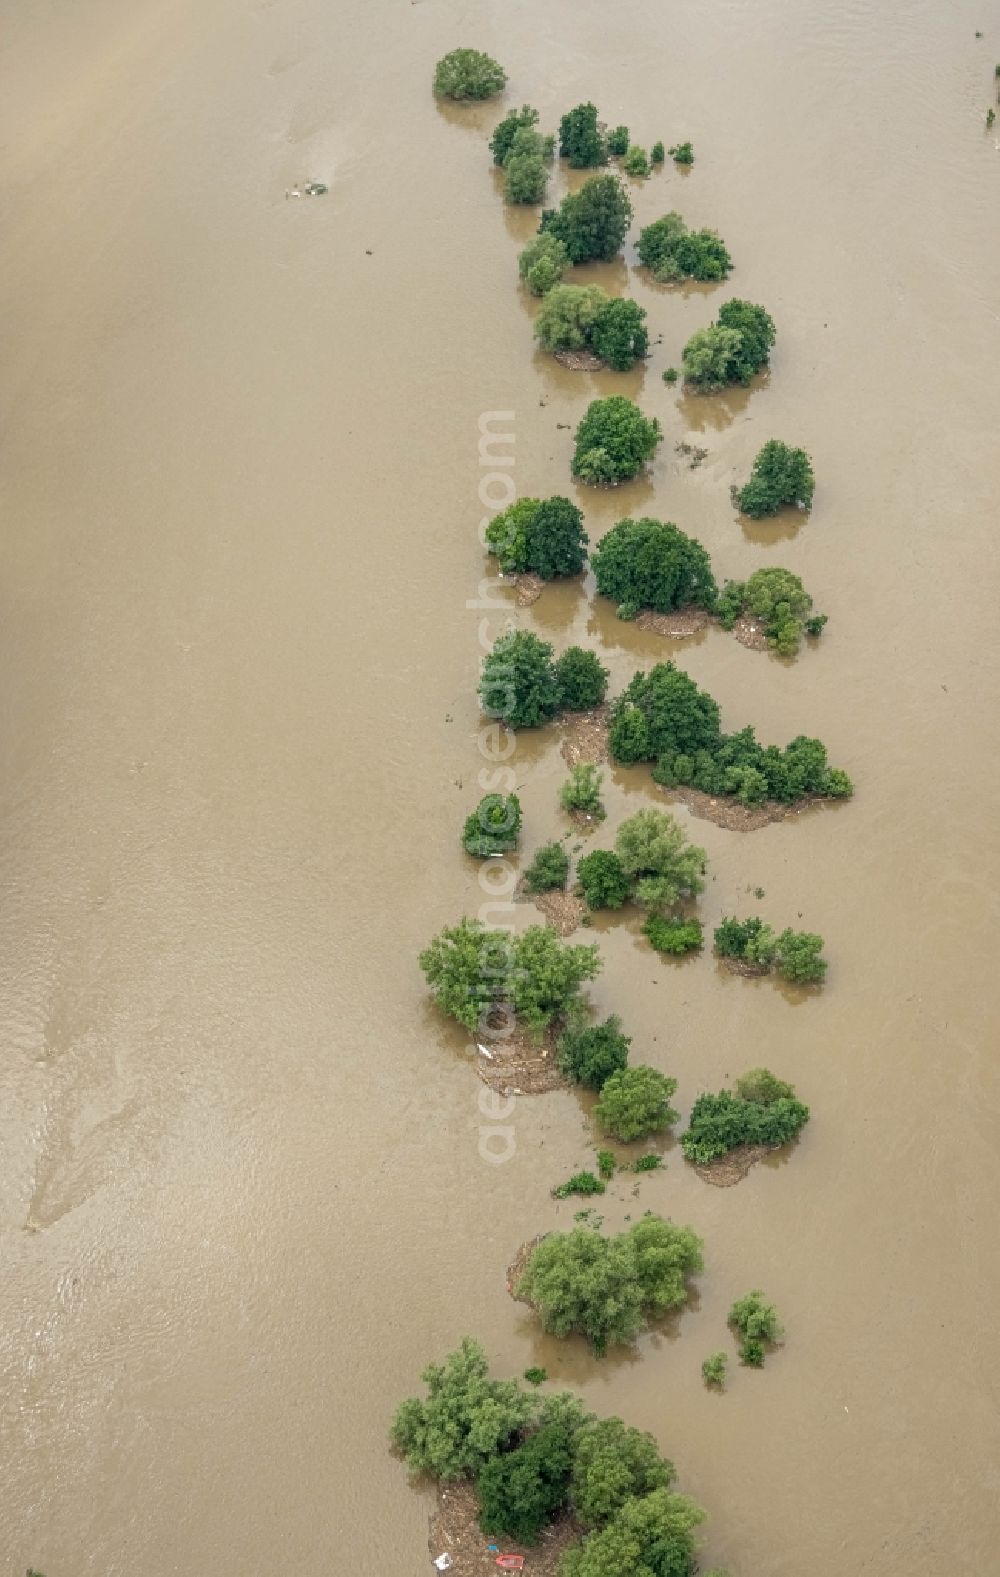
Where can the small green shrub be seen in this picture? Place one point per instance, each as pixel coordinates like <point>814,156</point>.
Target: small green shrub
<point>635,1103</point>
<point>542,263</point>
<point>778,599</point>
<point>593,222</point>
<point>548,870</point>
<point>494,827</point>
<point>581,138</point>
<point>567,316</point>
<point>671,251</point>
<point>582,790</point>
<point>648,1163</point>
<point>506,130</point>
<point>755,1322</point>
<point>606,1164</point>
<point>602,880</point>
<point>619,334</point>
<point>673,936</point>
<point>720,1123</point>
<point>656,154</point>
<point>671,375</point>
<point>682,153</point>
<point>613,441</point>
<point>795,954</point>
<point>579,1183</point>
<point>589,1056</point>
<point>779,476</point>
<point>732,350</point>
<point>536,1376</point>
<point>526,178</point>
<point>543,537</point>
<point>650,563</point>
<point>798,957</point>
<point>760,1085</point>
<point>468,74</point>
<point>713,1370</point>
<point>636,161</point>
<point>618,141</point>
<point>651,1535</point>
<point>661,865</point>
<point>582,679</point>
<point>518,684</point>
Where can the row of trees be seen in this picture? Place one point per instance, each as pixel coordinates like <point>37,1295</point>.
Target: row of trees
<point>796,955</point>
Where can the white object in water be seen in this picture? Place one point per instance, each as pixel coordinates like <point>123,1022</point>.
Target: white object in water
<point>443,1562</point>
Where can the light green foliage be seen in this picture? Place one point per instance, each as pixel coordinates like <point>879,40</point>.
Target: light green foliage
<point>525,178</point>
<point>568,315</point>
<point>590,1055</point>
<point>756,1323</point>
<point>548,870</point>
<point>468,74</point>
<point>652,1536</point>
<point>682,153</point>
<point>606,1164</point>
<point>494,827</point>
<point>661,865</point>
<point>650,563</point>
<point>619,335</point>
<point>636,161</point>
<point>542,263</point>
<point>798,957</point>
<point>466,1419</point>
<point>524,119</point>
<point>656,154</point>
<point>579,1183</point>
<point>613,441</point>
<point>543,537</point>
<point>779,600</point>
<point>605,1288</point>
<point>468,969</point>
<point>581,138</point>
<point>612,1464</point>
<point>671,375</point>
<point>602,880</point>
<point>582,790</point>
<point>671,251</point>
<point>635,1103</point>
<point>647,1163</point>
<point>780,475</point>
<point>591,223</point>
<point>582,679</point>
<point>732,350</point>
<point>673,936</point>
<point>507,534</point>
<point>795,954</point>
<point>518,683</point>
<point>547,975</point>
<point>618,141</point>
<point>713,1370</point>
<point>760,1085</point>
<point>768,1114</point>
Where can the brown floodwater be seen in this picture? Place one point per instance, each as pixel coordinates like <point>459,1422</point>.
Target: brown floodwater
<point>242,1196</point>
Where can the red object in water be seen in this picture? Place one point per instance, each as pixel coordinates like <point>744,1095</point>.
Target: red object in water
<point>510,1563</point>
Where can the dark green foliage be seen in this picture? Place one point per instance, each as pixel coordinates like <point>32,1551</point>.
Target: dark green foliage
<point>611,1465</point>
<point>671,375</point>
<point>618,141</point>
<point>602,880</point>
<point>757,331</point>
<point>613,441</point>
<point>468,969</point>
<point>660,864</point>
<point>678,716</point>
<point>466,1419</point>
<point>713,1370</point>
<point>795,954</point>
<point>581,138</point>
<point>591,1055</point>
<point>606,1288</point>
<point>518,683</point>
<point>656,154</point>
<point>579,1183</point>
<point>536,1376</point>
<point>523,1490</point>
<point>769,1115</point>
<point>779,476</point>
<point>673,936</point>
<point>503,136</point>
<point>619,334</point>
<point>732,350</point>
<point>526,178</point>
<point>682,153</point>
<point>635,1103</point>
<point>779,600</point>
<point>671,251</point>
<point>591,223</point>
<point>647,1163</point>
<point>750,940</point>
<point>542,263</point>
<point>652,1536</point>
<point>582,679</point>
<point>543,537</point>
<point>636,161</point>
<point>468,74</point>
<point>548,870</point>
<point>582,790</point>
<point>494,827</point>
<point>606,1164</point>
<point>756,1323</point>
<point>650,563</point>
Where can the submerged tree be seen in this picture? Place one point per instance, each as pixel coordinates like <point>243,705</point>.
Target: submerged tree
<point>652,564</point>
<point>468,74</point>
<point>581,138</point>
<point>780,476</point>
<point>613,441</point>
<point>542,263</point>
<point>732,350</point>
<point>671,251</point>
<point>591,223</point>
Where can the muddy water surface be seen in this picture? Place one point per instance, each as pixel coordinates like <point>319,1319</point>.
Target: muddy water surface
<point>242,1197</point>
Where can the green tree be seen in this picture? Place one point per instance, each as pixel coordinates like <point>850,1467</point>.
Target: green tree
<point>799,957</point>
<point>778,599</point>
<point>494,827</point>
<point>613,441</point>
<point>591,223</point>
<point>758,334</point>
<point>522,1491</point>
<point>635,1103</point>
<point>678,717</point>
<point>673,936</point>
<point>682,153</point>
<point>618,141</point>
<point>526,178</point>
<point>467,969</point>
<point>661,865</point>
<point>542,263</point>
<point>636,161</point>
<point>546,975</point>
<point>518,683</point>
<point>468,74</point>
<point>548,870</point>
<point>751,940</point>
<point>656,154</point>
<point>652,1536</point>
<point>602,880</point>
<point>713,1370</point>
<point>756,1323</point>
<point>671,251</point>
<point>590,1055</point>
<point>543,537</point>
<point>582,790</point>
<point>619,335</point>
<point>504,133</point>
<point>779,476</point>
<point>507,535</point>
<point>720,1123</point>
<point>567,316</point>
<point>612,1464</point>
<point>582,679</point>
<point>467,1417</point>
<point>584,1183</point>
<point>581,138</point>
<point>710,357</point>
<point>760,1085</point>
<point>650,563</point>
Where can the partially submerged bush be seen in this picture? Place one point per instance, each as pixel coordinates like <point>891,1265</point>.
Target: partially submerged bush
<point>582,679</point>
<point>548,870</point>
<point>613,441</point>
<point>636,161</point>
<point>778,599</point>
<point>526,178</point>
<point>619,334</point>
<point>612,1464</point>
<point>583,1183</point>
<point>494,827</point>
<point>779,476</point>
<point>675,937</point>
<point>671,251</point>
<point>591,223</point>
<point>524,1489</point>
<point>591,1055</point>
<point>656,154</point>
<point>794,954</point>
<point>713,1370</point>
<point>518,683</point>
<point>543,537</point>
<point>635,1102</point>
<point>768,1115</point>
<point>468,74</point>
<point>662,867</point>
<point>651,1535</point>
<point>602,880</point>
<point>581,138</point>
<point>682,153</point>
<point>755,1322</point>
<point>465,1421</point>
<point>607,1288</point>
<point>582,790</point>
<point>652,564</point>
<point>524,119</point>
<point>618,141</point>
<point>567,316</point>
<point>732,350</point>
<point>542,263</point>
<point>470,969</point>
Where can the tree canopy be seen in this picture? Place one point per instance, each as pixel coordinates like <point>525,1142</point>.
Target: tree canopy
<point>602,880</point>
<point>468,74</point>
<point>577,317</point>
<point>593,222</point>
<point>613,441</point>
<point>591,1054</point>
<point>780,602</point>
<point>779,476</point>
<point>494,827</point>
<point>518,682</point>
<point>469,969</point>
<point>767,1114</point>
<point>543,537</point>
<point>542,263</point>
<point>652,1536</point>
<point>732,349</point>
<point>467,1417</point>
<point>582,679</point>
<point>635,1102</point>
<point>661,865</point>
<point>650,563</point>
<point>612,1464</point>
<point>581,138</point>
<point>672,252</point>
